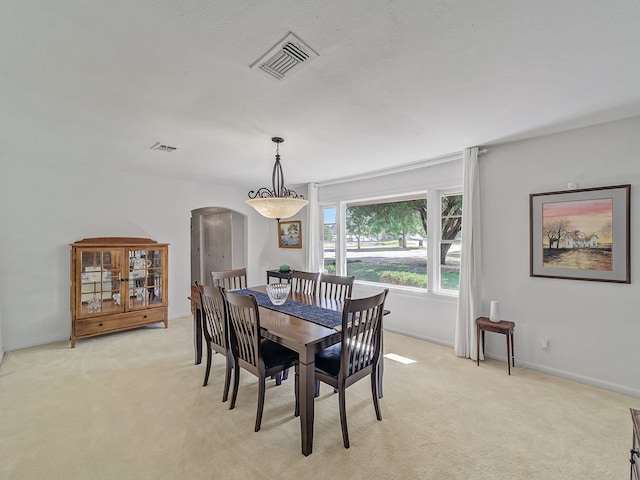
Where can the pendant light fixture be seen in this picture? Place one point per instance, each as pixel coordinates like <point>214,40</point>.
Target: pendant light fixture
<point>279,202</point>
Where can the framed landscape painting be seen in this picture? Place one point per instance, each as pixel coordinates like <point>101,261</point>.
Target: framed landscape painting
<point>581,234</point>
<point>290,234</point>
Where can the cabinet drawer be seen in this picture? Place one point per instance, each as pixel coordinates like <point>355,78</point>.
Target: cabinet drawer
<point>91,326</point>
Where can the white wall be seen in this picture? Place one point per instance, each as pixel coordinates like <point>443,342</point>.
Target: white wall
<point>46,207</point>
<point>593,327</point>
<point>1,344</point>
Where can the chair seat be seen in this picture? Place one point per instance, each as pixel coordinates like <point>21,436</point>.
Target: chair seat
<point>275,354</point>
<point>328,360</point>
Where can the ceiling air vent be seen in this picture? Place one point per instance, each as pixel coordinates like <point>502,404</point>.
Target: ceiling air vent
<point>162,148</point>
<point>285,58</point>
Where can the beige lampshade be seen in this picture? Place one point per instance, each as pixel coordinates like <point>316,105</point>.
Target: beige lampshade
<point>277,207</point>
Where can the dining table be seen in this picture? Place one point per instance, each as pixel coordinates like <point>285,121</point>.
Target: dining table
<point>305,324</point>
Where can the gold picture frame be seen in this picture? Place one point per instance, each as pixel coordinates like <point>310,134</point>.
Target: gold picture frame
<point>290,234</point>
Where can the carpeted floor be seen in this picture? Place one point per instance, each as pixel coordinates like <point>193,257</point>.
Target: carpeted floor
<point>132,406</point>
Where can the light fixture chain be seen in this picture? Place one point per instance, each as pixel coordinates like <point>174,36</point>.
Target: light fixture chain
<point>277,179</point>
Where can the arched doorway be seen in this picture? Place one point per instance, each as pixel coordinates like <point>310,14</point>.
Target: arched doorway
<point>218,242</point>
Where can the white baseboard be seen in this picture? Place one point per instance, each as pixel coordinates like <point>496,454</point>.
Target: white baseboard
<point>594,382</point>
<point>437,341</point>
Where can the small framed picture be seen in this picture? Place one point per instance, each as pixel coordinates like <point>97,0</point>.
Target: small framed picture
<point>290,234</point>
<point>581,234</point>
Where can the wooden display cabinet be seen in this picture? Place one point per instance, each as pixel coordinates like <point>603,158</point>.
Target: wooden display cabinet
<point>117,283</point>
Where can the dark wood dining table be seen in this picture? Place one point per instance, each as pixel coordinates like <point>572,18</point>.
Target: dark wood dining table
<point>302,336</point>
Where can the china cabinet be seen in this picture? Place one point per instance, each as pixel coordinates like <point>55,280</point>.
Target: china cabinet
<point>117,283</point>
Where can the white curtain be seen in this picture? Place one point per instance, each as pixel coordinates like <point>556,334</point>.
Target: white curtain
<point>314,248</point>
<point>469,307</point>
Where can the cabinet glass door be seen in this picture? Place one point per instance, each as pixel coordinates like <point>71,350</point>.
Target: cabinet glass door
<point>145,278</point>
<point>100,281</point>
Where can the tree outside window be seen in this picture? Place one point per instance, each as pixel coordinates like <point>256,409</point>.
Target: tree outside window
<point>385,242</point>
<point>450,241</point>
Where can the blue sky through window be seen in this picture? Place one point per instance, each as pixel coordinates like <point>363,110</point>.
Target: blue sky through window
<point>329,215</point>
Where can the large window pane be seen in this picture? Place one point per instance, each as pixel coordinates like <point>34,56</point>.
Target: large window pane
<point>329,239</point>
<point>386,242</point>
<point>450,237</point>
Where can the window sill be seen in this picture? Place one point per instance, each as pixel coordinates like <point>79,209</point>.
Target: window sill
<point>445,295</point>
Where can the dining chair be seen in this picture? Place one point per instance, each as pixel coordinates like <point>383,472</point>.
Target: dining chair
<point>215,330</point>
<point>230,279</point>
<point>305,282</point>
<point>336,287</point>
<point>259,356</point>
<point>357,354</point>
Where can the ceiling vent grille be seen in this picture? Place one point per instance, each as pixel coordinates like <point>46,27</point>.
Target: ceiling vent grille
<point>285,58</point>
<point>162,148</point>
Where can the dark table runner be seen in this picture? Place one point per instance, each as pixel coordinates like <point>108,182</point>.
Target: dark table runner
<point>321,316</point>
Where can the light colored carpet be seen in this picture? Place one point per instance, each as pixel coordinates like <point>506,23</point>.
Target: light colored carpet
<point>131,406</point>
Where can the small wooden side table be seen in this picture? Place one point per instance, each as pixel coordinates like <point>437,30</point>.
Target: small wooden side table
<point>483,324</point>
<point>280,275</point>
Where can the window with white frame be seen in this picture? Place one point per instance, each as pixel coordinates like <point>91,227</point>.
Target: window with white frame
<point>450,241</point>
<point>385,241</point>
<point>329,239</point>
<point>410,241</point>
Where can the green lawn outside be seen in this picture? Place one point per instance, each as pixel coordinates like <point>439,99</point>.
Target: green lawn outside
<point>401,273</point>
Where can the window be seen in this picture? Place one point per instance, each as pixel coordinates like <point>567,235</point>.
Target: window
<point>450,241</point>
<point>385,242</point>
<point>411,241</point>
<point>329,239</point>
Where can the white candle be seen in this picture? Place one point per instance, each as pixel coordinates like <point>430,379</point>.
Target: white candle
<point>494,314</point>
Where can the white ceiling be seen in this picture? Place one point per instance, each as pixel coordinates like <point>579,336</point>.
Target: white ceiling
<point>99,82</point>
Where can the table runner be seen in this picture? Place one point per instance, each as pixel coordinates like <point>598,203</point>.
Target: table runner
<point>321,316</point>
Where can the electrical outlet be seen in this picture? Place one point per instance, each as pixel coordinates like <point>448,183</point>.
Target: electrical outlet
<point>544,343</point>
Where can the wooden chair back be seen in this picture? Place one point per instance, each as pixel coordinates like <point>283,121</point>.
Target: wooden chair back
<point>244,331</point>
<point>213,304</point>
<point>361,336</point>
<point>230,279</point>
<point>305,282</point>
<point>337,287</point>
